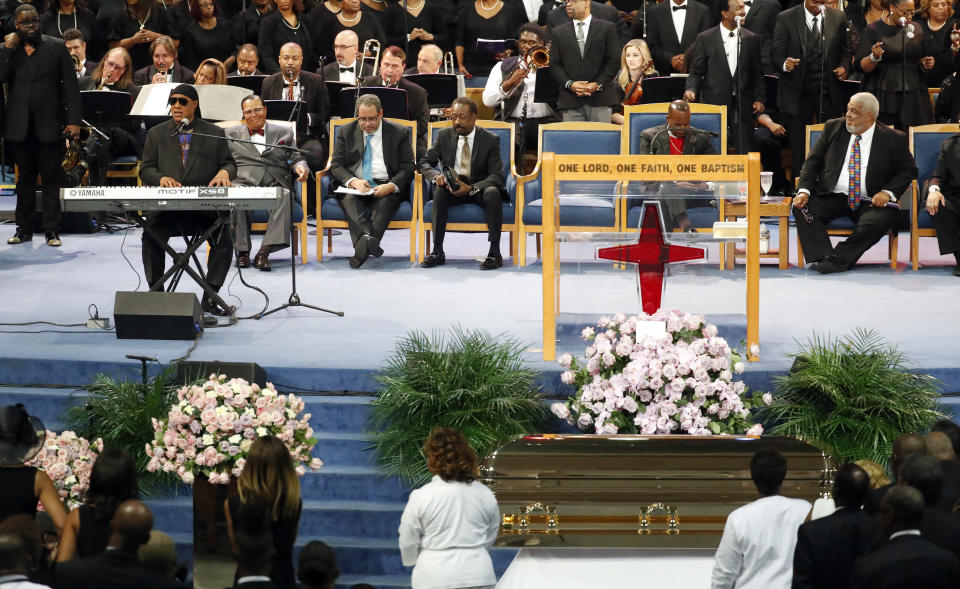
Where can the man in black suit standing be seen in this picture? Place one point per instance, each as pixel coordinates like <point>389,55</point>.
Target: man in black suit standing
<point>811,52</point>
<point>903,447</point>
<point>473,154</point>
<point>562,13</point>
<point>726,71</point>
<point>248,60</point>
<point>374,157</point>
<point>940,447</point>
<point>584,58</point>
<point>165,68</point>
<point>117,566</point>
<point>828,547</point>
<point>907,561</point>
<point>392,61</point>
<point>43,100</point>
<point>761,18</point>
<point>859,169</point>
<point>174,156</point>
<point>345,68</point>
<point>672,29</point>
<point>291,83</point>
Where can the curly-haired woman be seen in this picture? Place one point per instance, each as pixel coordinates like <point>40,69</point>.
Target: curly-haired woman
<point>449,524</point>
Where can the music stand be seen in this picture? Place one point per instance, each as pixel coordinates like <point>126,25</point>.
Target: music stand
<point>441,88</point>
<point>392,100</point>
<point>545,88</point>
<point>771,85</point>
<point>252,83</point>
<point>663,89</point>
<point>288,110</point>
<point>850,87</point>
<point>104,107</point>
<point>333,91</point>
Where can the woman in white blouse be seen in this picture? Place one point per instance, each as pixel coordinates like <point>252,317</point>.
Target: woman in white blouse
<point>450,523</point>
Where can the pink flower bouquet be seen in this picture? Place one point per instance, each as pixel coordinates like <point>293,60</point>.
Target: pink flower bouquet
<point>67,459</point>
<point>678,381</point>
<point>212,426</point>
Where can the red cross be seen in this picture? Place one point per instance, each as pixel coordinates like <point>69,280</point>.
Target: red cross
<point>651,253</point>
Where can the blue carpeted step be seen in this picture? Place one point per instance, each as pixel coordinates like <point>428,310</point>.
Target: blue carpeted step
<point>331,414</point>
<point>183,542</point>
<point>350,518</point>
<point>343,483</point>
<point>173,516</point>
<point>950,405</point>
<point>340,448</point>
<point>49,404</point>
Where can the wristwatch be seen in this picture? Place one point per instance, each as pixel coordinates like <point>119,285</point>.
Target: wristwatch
<point>475,191</point>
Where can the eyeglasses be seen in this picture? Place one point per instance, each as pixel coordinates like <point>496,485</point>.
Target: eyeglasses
<point>181,100</point>
<point>254,111</point>
<point>29,22</point>
<point>112,66</point>
<point>368,119</point>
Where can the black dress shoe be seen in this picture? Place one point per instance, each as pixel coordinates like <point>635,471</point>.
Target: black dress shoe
<point>830,265</point>
<point>434,259</point>
<point>491,263</point>
<point>208,305</point>
<point>243,259</point>
<point>262,262</point>
<point>360,253</point>
<point>373,246</point>
<point>20,237</point>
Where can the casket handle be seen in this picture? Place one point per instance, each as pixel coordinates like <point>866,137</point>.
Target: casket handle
<point>673,521</point>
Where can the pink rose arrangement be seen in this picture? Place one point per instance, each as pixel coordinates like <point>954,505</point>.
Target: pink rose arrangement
<point>213,424</point>
<point>677,381</point>
<point>67,459</point>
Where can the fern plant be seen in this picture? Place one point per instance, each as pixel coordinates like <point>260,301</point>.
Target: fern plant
<point>469,380</point>
<point>851,397</point>
<point>120,412</point>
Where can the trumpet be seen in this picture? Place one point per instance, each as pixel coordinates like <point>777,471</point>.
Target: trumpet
<point>77,64</point>
<point>449,66</point>
<point>371,51</point>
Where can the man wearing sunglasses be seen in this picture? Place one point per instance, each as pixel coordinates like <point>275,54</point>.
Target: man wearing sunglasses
<point>43,101</point>
<point>187,151</point>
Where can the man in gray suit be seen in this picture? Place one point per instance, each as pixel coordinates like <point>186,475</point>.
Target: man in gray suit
<point>261,164</point>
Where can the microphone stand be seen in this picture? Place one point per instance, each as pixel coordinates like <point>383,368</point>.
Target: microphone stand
<point>823,54</point>
<point>903,66</point>
<point>739,91</point>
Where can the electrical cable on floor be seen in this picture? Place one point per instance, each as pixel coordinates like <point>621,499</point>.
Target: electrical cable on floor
<point>193,346</point>
<point>122,243</point>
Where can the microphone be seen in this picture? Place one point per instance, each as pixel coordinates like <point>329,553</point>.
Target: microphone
<point>903,21</point>
<point>738,19</point>
<point>184,123</point>
<point>703,132</point>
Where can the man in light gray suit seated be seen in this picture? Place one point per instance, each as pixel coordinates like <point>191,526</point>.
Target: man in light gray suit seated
<point>259,164</point>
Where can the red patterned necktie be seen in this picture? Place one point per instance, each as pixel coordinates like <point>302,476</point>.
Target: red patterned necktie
<point>853,170</point>
<point>289,91</point>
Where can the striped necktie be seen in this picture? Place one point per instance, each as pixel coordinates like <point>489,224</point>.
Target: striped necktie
<point>853,171</point>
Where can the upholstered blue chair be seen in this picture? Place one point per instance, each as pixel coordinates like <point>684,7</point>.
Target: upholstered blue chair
<point>470,217</point>
<point>925,142</point>
<point>577,213</point>
<point>842,226</point>
<point>329,214</point>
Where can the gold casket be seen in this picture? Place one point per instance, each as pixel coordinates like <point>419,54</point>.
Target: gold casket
<point>636,491</point>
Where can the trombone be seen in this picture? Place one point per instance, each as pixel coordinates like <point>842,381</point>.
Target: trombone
<point>448,63</point>
<point>371,51</point>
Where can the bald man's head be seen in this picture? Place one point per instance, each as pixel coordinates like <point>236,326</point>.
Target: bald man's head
<point>346,47</point>
<point>903,447</point>
<point>291,60</point>
<point>14,555</point>
<point>131,525</point>
<point>939,446</point>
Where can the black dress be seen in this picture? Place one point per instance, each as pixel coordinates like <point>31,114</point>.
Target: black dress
<point>199,43</point>
<point>366,27</point>
<point>275,33</point>
<point>937,45</point>
<point>284,536</point>
<point>93,534</point>
<point>53,24</point>
<point>124,26</point>
<point>471,26</point>
<point>16,491</point>
<point>430,19</point>
<point>902,93</point>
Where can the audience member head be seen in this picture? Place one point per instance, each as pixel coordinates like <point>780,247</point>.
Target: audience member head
<point>254,541</point>
<point>678,118</point>
<point>291,60</point>
<point>529,35</point>
<point>392,61</point>
<point>902,509</point>
<point>26,21</point>
<point>248,58</point>
<point>24,527</point>
<point>924,473</point>
<point>346,48</point>
<point>14,555</point>
<point>269,480</point>
<point>210,71</point>
<point>577,9</point>
<point>317,566</point>
<point>936,10</point>
<point>115,69</point>
<point>203,9</point>
<point>113,480</point>
<point>159,554</point>
<point>164,52</point>
<point>254,112</point>
<point>184,103</point>
<point>634,55</point>
<point>369,113</point>
<point>851,486</point>
<point>73,39</point>
<point>730,10</point>
<point>130,526</point>
<point>350,7</point>
<point>862,111</point>
<point>939,445</point>
<point>952,430</point>
<point>429,59</point>
<point>768,468</point>
<point>904,446</point>
<point>449,454</point>
<point>21,435</point>
<point>878,474</point>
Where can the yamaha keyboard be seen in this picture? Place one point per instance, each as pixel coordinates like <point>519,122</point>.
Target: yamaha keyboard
<point>120,199</point>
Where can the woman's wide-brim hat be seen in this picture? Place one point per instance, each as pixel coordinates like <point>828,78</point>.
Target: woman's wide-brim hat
<point>21,435</point>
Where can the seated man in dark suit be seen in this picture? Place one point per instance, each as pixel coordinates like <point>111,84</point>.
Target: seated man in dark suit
<point>290,83</point>
<point>117,567</point>
<point>473,154</point>
<point>165,68</point>
<point>248,60</point>
<point>391,76</point>
<point>260,164</point>
<point>943,199</point>
<point>940,526</point>
<point>374,157</point>
<point>174,156</point>
<point>858,169</point>
<point>907,561</point>
<point>828,547</point>
<point>676,137</point>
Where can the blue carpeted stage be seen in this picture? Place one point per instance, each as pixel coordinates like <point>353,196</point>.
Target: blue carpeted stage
<point>348,504</point>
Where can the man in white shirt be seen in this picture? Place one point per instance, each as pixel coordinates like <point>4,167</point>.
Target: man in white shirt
<point>859,169</point>
<point>346,50</point>
<point>756,550</point>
